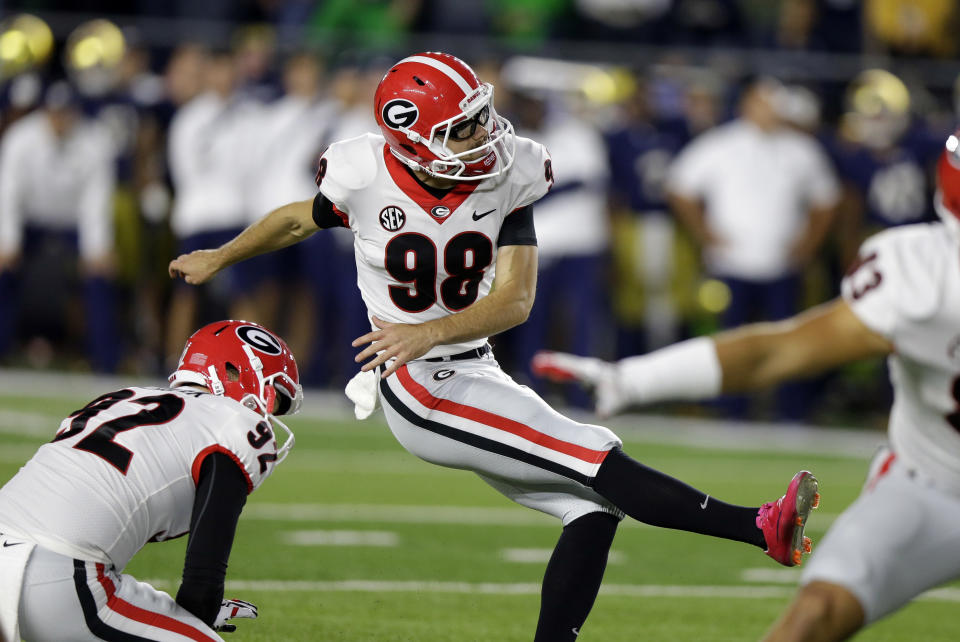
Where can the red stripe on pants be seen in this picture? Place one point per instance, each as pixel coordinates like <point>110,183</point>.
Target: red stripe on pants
<point>137,614</point>
<point>487,418</point>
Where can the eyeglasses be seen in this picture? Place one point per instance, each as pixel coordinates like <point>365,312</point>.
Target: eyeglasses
<point>466,129</point>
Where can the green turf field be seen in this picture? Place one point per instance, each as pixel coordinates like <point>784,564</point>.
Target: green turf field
<point>354,539</point>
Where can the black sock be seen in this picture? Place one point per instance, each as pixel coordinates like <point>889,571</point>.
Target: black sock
<point>649,496</point>
<point>573,576</point>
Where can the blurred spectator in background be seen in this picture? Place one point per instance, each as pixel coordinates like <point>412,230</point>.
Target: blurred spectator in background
<point>572,307</point>
<point>912,27</point>
<point>112,71</point>
<point>184,77</point>
<point>884,159</point>
<point>795,26</point>
<point>19,96</point>
<point>759,198</point>
<point>290,135</point>
<point>210,163</point>
<point>57,178</point>
<point>333,270</point>
<point>255,52</point>
<point>645,245</point>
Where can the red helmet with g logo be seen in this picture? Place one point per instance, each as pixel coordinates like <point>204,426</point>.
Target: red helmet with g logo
<point>246,362</point>
<point>428,99</point>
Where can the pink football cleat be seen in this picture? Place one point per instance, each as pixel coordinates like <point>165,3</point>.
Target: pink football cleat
<point>782,521</point>
<point>589,371</point>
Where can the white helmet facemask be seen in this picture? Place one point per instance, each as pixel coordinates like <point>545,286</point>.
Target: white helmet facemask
<point>264,401</point>
<point>501,140</point>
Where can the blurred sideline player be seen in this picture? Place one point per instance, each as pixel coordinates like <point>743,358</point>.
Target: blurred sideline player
<point>142,465</point>
<point>57,179</point>
<point>573,236</point>
<point>211,159</point>
<point>883,158</point>
<point>288,136</point>
<point>437,202</point>
<point>900,299</point>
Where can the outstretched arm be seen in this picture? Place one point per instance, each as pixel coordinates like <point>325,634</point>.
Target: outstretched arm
<point>747,358</point>
<point>508,304</point>
<point>283,226</point>
<point>765,354</point>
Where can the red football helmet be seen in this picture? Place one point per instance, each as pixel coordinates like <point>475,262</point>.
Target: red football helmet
<point>246,362</point>
<point>947,199</point>
<point>428,99</point>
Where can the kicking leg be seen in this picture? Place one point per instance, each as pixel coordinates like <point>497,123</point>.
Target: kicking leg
<point>573,576</point>
<point>654,498</point>
<point>821,612</point>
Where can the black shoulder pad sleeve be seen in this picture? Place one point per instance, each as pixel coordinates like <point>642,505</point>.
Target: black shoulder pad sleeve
<point>517,228</point>
<point>323,214</point>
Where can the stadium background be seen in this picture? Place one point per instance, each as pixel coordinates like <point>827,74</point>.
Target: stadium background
<point>355,539</point>
<point>134,64</point>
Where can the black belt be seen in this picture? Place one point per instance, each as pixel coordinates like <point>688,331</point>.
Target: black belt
<point>476,353</point>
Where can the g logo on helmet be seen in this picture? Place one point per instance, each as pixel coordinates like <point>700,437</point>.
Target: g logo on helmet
<point>259,339</point>
<point>399,113</point>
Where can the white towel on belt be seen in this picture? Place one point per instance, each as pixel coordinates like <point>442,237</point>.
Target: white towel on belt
<point>14,554</point>
<point>364,391</point>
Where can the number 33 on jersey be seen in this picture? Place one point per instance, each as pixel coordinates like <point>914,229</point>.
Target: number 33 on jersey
<point>906,287</point>
<point>420,256</point>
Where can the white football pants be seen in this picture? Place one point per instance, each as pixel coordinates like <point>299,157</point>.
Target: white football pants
<point>469,414</point>
<point>67,599</point>
<point>898,539</point>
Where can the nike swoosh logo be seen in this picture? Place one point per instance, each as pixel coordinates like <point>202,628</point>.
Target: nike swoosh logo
<point>705,500</point>
<point>6,544</point>
<point>477,217</point>
<point>576,631</point>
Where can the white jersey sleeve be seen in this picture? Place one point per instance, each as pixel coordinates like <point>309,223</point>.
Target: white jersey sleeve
<point>896,279</point>
<point>346,167</point>
<point>248,441</point>
<point>531,176</point>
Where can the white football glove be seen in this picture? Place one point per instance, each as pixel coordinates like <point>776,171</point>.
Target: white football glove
<point>230,609</point>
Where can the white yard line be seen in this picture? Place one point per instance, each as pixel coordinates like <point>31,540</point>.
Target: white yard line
<point>28,424</point>
<point>542,556</point>
<point>379,539</point>
<point>490,588</point>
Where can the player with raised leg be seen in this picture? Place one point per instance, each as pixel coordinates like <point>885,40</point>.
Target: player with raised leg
<point>900,299</point>
<point>441,208</point>
<point>141,465</point>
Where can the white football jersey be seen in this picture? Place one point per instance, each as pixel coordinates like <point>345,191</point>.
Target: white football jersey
<point>122,471</point>
<point>419,257</point>
<point>905,285</point>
